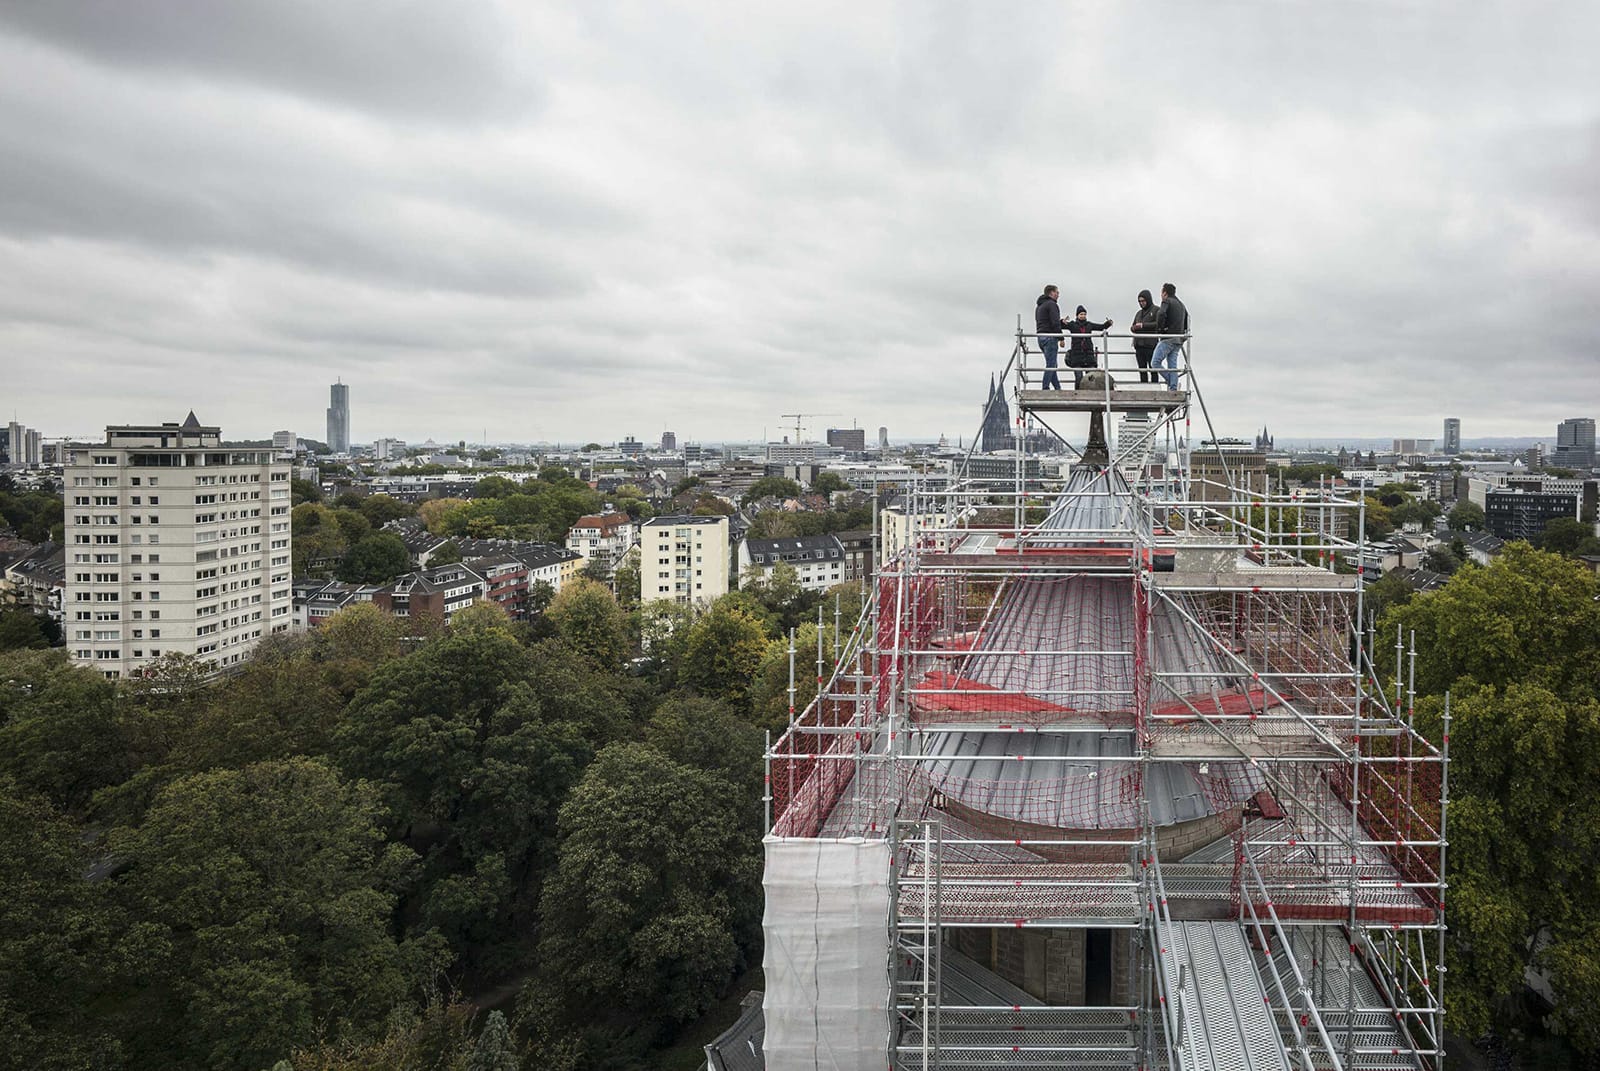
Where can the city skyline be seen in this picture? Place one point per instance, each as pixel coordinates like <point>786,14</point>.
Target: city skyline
<point>492,231</point>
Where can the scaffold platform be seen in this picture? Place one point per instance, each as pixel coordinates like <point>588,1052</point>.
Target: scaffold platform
<point>1121,400</point>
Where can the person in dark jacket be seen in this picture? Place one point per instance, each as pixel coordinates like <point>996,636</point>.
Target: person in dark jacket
<point>1082,352</point>
<point>1145,320</point>
<point>1047,321</point>
<point>1171,319</point>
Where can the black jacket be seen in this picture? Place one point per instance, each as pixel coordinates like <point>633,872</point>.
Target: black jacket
<point>1047,316</point>
<point>1145,319</point>
<point>1082,353</point>
<point>1173,318</point>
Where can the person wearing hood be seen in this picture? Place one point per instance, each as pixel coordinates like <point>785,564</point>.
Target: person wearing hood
<point>1047,321</point>
<point>1145,321</point>
<point>1082,353</point>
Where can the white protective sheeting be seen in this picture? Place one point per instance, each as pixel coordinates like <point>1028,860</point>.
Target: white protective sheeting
<point>827,954</point>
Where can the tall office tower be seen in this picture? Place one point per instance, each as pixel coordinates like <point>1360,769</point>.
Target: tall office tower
<point>669,441</point>
<point>1452,435</point>
<point>16,440</point>
<point>1575,444</point>
<point>883,438</point>
<point>339,418</point>
<point>175,542</point>
<point>853,439</point>
<point>33,449</point>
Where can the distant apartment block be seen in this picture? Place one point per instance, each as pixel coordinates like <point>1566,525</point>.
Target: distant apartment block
<point>388,449</point>
<point>603,537</point>
<point>24,446</point>
<point>818,561</point>
<point>285,443</point>
<point>683,559</point>
<point>1512,513</point>
<point>176,542</point>
<point>339,417</point>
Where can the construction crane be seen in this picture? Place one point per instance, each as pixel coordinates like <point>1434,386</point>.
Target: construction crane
<point>798,427</point>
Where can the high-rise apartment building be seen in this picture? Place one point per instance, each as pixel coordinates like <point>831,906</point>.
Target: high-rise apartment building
<point>669,441</point>
<point>683,559</point>
<point>339,418</point>
<point>1452,435</point>
<point>176,543</point>
<point>24,445</point>
<point>1574,444</point>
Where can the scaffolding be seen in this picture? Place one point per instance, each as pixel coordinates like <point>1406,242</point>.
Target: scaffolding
<point>1145,801</point>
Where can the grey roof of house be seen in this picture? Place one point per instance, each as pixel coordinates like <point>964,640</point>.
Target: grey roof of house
<point>738,1048</point>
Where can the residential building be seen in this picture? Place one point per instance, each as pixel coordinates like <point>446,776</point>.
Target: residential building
<point>36,580</point>
<point>339,418</point>
<point>858,560</point>
<point>603,537</point>
<point>630,447</point>
<point>1512,513</point>
<point>388,449</point>
<point>850,440</point>
<point>1575,444</point>
<point>285,443</point>
<point>818,561</point>
<point>1220,468</point>
<point>176,542</point>
<point>437,593</point>
<point>1452,435</point>
<point>24,446</point>
<point>683,559</point>
<point>669,442</point>
<point>1412,447</point>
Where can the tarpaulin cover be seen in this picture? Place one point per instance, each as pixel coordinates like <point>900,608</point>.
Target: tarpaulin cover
<point>827,955</point>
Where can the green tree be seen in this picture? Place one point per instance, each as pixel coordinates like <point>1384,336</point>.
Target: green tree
<point>495,487</point>
<point>708,735</point>
<point>1441,559</point>
<point>771,487</point>
<point>827,483</point>
<point>475,740</point>
<point>1517,644</point>
<point>1524,853</point>
<point>353,524</point>
<point>61,735</point>
<point>586,615</point>
<point>304,491</point>
<point>53,930</point>
<point>379,510</point>
<point>377,558</point>
<point>1529,617</point>
<point>317,536</point>
<point>259,902</point>
<point>1564,535</point>
<point>446,553</point>
<point>22,628</point>
<point>656,889</point>
<point>1465,516</point>
<point>722,652</point>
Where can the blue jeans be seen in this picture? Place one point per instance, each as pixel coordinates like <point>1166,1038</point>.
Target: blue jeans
<point>1167,349</point>
<point>1050,346</point>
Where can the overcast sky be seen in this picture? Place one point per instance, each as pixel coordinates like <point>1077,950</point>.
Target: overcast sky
<point>539,221</point>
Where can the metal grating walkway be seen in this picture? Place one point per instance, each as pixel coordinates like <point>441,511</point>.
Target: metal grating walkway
<point>1225,1021</point>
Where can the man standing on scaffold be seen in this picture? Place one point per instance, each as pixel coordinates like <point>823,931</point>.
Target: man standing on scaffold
<point>1047,321</point>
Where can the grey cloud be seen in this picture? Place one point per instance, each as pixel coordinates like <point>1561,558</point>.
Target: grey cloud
<point>716,215</point>
<point>412,60</point>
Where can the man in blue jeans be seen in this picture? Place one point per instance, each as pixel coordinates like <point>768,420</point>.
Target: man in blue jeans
<point>1047,321</point>
<point>1171,319</point>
